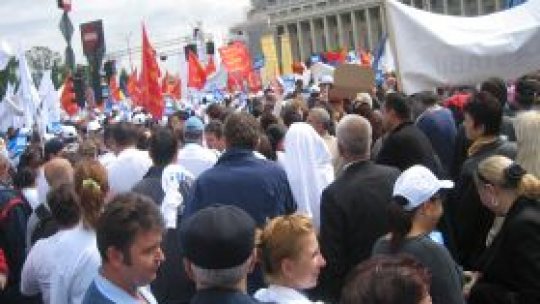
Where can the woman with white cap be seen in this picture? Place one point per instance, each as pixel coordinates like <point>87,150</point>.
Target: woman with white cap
<point>413,214</point>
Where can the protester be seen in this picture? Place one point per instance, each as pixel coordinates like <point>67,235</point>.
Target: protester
<point>130,164</point>
<point>291,259</point>
<point>510,267</point>
<point>76,247</point>
<point>439,126</point>
<point>219,247</point>
<point>308,165</point>
<point>466,221</point>
<point>388,280</point>
<point>363,105</point>
<point>353,213</point>
<point>171,284</point>
<point>413,214</point>
<point>276,136</point>
<point>130,253</point>
<point>41,261</point>
<point>321,121</point>
<point>259,187</point>
<point>264,189</point>
<point>405,144</point>
<point>497,87</point>
<point>57,171</point>
<point>14,214</point>
<point>193,156</point>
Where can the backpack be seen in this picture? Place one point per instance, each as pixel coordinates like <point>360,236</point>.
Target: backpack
<point>46,225</point>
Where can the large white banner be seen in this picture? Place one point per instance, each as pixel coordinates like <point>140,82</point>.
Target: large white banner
<point>433,50</point>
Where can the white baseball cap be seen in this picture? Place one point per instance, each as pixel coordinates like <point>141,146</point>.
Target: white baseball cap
<point>418,184</point>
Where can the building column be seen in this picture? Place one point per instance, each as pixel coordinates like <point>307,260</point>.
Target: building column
<point>462,3</point>
<point>313,37</point>
<point>445,7</point>
<point>300,40</point>
<point>382,18</point>
<point>368,23</point>
<point>354,30</point>
<point>326,33</point>
<point>480,7</point>
<point>341,41</point>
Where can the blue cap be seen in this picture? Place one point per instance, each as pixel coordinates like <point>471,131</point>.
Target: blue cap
<point>194,124</point>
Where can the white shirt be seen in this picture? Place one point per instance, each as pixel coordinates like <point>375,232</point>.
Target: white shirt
<point>106,159</point>
<point>281,295</point>
<point>196,158</point>
<point>42,186</point>
<point>38,267</point>
<point>31,195</point>
<point>78,261</point>
<point>127,169</point>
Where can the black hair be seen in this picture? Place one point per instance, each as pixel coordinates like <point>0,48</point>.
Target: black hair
<point>124,134</point>
<point>496,87</point>
<point>64,205</point>
<point>485,110</point>
<point>163,146</point>
<point>400,104</point>
<point>399,220</point>
<point>527,91</point>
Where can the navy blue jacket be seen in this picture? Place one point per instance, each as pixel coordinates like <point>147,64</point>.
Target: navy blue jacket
<point>257,186</point>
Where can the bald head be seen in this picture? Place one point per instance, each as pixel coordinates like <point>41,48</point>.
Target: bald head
<point>354,136</point>
<point>58,171</point>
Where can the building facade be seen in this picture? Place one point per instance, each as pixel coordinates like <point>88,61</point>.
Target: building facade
<point>316,26</point>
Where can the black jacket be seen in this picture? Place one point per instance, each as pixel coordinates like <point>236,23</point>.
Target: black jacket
<point>353,217</point>
<point>407,146</point>
<point>511,265</point>
<point>466,221</point>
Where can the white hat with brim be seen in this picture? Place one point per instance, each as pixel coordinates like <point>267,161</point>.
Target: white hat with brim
<point>417,185</point>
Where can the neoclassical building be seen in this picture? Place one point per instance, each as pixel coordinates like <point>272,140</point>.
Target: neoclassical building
<point>316,26</point>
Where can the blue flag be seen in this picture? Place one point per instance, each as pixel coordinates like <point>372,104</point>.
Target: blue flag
<point>377,64</point>
<point>512,3</point>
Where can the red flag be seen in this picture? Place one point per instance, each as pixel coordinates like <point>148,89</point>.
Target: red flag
<point>254,81</point>
<point>133,88</point>
<point>165,83</point>
<point>234,83</point>
<point>116,93</point>
<point>176,91</point>
<point>68,97</point>
<point>196,72</point>
<point>236,58</point>
<point>151,97</point>
<point>211,66</point>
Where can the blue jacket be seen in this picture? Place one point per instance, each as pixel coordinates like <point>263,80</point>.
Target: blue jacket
<point>257,186</point>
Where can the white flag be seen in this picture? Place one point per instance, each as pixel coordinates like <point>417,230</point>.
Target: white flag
<point>5,54</point>
<point>27,93</point>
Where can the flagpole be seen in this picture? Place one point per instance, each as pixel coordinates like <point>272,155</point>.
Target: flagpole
<point>392,41</point>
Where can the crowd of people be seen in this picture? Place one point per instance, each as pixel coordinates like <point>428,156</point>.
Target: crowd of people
<point>383,198</point>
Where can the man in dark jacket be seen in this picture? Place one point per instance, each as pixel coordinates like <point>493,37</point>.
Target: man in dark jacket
<point>353,207</point>
<point>467,221</point>
<point>405,145</point>
<point>14,214</point>
<point>171,284</point>
<point>259,187</point>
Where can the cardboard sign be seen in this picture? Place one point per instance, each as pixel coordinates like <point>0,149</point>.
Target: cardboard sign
<point>351,79</point>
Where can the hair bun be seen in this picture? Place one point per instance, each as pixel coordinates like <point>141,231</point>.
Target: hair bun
<point>513,174</point>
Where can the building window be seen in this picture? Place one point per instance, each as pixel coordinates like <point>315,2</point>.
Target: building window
<point>471,7</point>
<point>454,7</point>
<point>437,6</point>
<point>488,6</point>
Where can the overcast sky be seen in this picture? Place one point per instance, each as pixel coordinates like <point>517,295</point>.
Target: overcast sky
<point>35,22</point>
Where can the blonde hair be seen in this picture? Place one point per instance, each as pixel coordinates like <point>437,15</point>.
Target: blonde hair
<point>527,128</point>
<point>494,170</point>
<point>281,239</point>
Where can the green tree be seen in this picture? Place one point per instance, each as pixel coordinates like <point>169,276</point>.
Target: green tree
<point>9,75</point>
